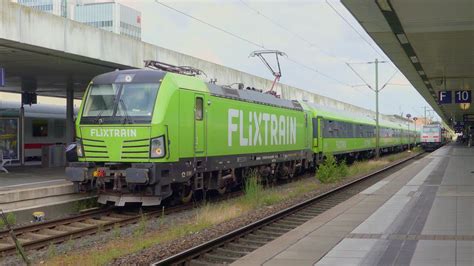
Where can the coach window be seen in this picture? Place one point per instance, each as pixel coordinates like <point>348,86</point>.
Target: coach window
<point>199,110</point>
<point>315,128</point>
<point>40,128</point>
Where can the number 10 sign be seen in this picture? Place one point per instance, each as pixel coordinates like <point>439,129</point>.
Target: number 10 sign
<point>462,96</point>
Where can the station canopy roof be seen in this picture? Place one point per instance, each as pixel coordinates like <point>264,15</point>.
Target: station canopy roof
<point>47,71</point>
<point>430,41</point>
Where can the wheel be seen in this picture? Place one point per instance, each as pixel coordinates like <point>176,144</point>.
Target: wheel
<point>222,190</point>
<point>186,194</point>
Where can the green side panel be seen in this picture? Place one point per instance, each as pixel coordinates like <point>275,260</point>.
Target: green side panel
<point>239,127</point>
<point>338,145</point>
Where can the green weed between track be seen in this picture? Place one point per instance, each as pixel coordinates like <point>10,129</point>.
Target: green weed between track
<point>331,171</point>
<point>211,214</point>
<point>11,219</point>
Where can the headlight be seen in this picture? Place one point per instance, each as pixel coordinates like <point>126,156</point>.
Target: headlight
<point>157,147</point>
<point>79,148</point>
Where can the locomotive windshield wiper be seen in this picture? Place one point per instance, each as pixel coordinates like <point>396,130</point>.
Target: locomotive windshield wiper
<point>127,116</point>
<point>99,117</point>
<point>98,120</point>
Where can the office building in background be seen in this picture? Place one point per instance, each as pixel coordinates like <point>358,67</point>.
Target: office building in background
<point>106,15</point>
<point>110,16</point>
<point>56,7</point>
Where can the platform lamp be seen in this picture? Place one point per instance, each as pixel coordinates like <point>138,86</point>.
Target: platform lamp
<point>408,117</point>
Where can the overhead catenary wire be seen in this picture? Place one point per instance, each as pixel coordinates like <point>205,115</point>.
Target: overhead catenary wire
<point>311,44</point>
<point>359,76</point>
<point>319,72</point>
<point>391,77</point>
<point>355,30</point>
<point>212,26</point>
<point>250,42</point>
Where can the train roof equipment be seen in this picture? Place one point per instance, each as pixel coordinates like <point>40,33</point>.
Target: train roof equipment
<point>276,73</point>
<point>184,70</point>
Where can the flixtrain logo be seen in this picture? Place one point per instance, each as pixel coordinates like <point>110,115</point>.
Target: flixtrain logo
<point>113,132</point>
<point>260,129</point>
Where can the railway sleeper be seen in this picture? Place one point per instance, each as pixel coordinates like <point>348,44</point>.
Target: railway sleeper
<point>303,216</point>
<point>231,252</point>
<point>5,245</point>
<point>252,242</point>
<point>311,214</point>
<point>314,212</point>
<point>289,223</point>
<point>50,232</point>
<point>96,221</point>
<point>7,241</point>
<point>259,237</point>
<point>281,224</point>
<point>277,229</point>
<point>245,247</point>
<point>267,232</point>
<point>220,258</point>
<point>202,263</point>
<point>23,240</point>
<point>110,219</point>
<point>35,236</point>
<point>122,215</point>
<point>81,225</point>
<point>67,228</point>
<point>295,220</point>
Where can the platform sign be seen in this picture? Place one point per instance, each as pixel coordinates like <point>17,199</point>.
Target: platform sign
<point>462,96</point>
<point>445,97</point>
<point>468,117</point>
<point>2,77</point>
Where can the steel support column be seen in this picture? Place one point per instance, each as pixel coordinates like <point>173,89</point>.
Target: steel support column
<point>70,112</point>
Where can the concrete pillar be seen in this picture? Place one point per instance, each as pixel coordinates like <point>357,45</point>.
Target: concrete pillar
<point>22,135</point>
<point>28,84</point>
<point>70,112</point>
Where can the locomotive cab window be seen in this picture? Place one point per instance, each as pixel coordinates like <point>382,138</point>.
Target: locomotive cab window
<point>199,108</point>
<point>120,103</point>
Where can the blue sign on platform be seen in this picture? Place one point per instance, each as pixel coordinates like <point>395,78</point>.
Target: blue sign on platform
<point>445,97</point>
<point>2,77</point>
<point>462,97</point>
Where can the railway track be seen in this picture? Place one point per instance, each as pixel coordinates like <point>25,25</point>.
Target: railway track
<point>230,247</point>
<point>40,235</point>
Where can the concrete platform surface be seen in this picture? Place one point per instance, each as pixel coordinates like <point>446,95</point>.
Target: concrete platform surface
<point>31,187</point>
<point>421,215</point>
<point>30,175</point>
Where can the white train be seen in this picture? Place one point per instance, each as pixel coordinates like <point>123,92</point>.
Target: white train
<point>45,124</point>
<point>433,136</point>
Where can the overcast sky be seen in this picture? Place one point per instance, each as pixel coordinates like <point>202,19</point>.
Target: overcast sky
<point>309,32</point>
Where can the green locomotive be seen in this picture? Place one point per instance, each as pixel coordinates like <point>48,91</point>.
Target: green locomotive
<point>147,135</point>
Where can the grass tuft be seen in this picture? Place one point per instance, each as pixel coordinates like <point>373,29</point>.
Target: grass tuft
<point>253,189</point>
<point>11,220</point>
<point>330,171</point>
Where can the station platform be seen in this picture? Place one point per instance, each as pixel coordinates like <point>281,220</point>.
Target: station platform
<point>31,187</point>
<point>421,215</point>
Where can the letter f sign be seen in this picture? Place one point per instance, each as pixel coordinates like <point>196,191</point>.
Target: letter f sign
<point>231,126</point>
<point>445,97</point>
